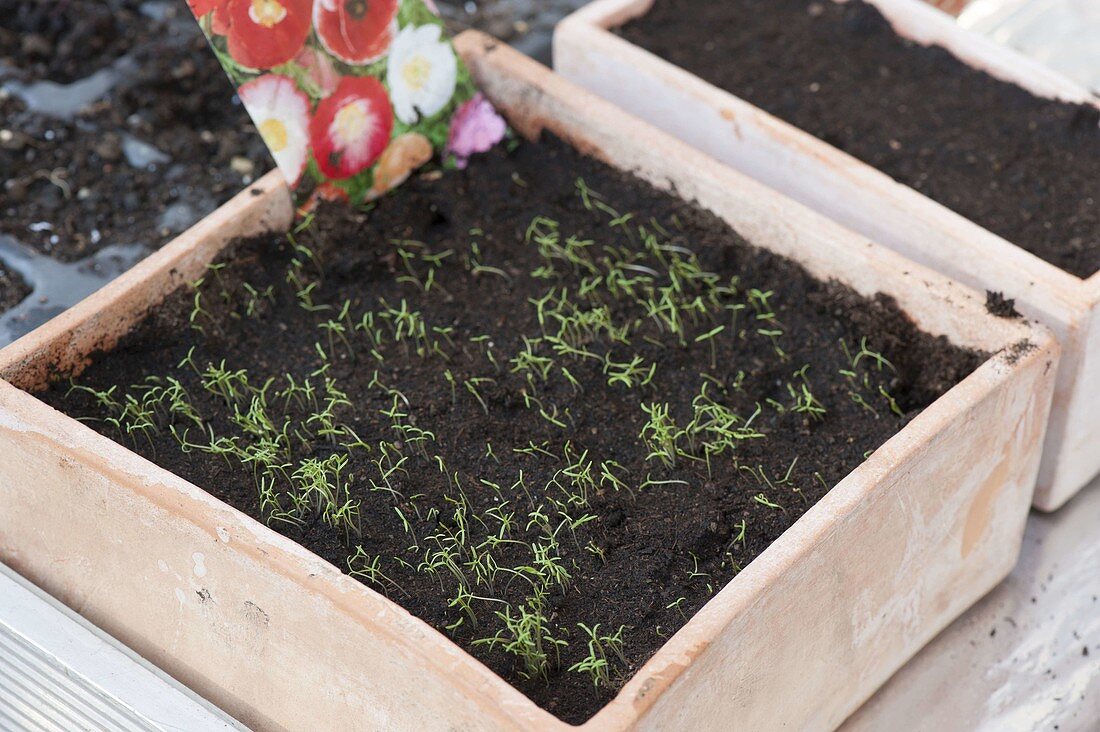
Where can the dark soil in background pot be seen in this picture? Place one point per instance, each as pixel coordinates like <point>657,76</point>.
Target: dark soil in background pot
<point>162,144</point>
<point>12,289</point>
<point>1021,166</point>
<point>528,361</point>
<point>65,40</point>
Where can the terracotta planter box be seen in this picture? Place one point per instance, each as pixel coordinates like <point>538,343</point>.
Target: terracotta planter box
<point>283,640</point>
<point>950,6</point>
<point>859,197</point>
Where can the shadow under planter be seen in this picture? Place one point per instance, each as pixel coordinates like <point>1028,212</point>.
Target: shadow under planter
<point>589,52</point>
<point>281,639</point>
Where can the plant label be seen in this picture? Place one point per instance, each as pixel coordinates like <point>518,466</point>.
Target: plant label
<point>350,96</point>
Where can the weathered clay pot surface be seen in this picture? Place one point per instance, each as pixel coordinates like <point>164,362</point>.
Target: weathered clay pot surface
<point>282,640</point>
<point>950,6</point>
<point>868,201</point>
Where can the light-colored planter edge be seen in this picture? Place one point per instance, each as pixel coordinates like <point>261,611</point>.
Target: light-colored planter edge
<point>588,53</point>
<point>939,304</point>
<point>951,7</point>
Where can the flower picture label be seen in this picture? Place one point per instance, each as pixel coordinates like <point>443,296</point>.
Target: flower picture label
<point>350,96</point>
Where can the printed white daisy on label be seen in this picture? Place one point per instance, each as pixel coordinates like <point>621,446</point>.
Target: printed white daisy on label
<point>281,113</point>
<point>422,73</point>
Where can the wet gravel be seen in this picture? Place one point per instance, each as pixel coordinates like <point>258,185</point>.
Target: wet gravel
<point>118,130</point>
<point>528,25</point>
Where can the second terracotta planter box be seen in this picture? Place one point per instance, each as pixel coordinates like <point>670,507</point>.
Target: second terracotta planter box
<point>283,640</point>
<point>589,53</point>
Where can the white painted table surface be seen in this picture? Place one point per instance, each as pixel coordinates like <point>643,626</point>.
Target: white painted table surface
<point>1016,662</point>
<point>1063,34</point>
<point>58,673</point>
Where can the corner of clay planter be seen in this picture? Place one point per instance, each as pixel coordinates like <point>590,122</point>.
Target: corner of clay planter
<point>954,7</point>
<point>867,201</point>
<point>282,640</point>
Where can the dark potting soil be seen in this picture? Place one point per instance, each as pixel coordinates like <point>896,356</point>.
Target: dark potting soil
<point>64,40</point>
<point>571,451</point>
<point>13,289</point>
<point>1003,307</point>
<point>1021,166</point>
<point>163,144</point>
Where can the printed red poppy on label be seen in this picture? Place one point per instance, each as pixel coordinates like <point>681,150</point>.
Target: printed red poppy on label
<point>356,31</point>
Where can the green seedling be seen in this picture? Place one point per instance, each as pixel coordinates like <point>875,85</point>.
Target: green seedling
<point>527,636</point>
<point>361,564</point>
<point>596,663</point>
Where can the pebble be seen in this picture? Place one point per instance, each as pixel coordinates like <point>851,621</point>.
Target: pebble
<point>33,44</point>
<point>12,141</point>
<point>108,148</point>
<point>16,190</point>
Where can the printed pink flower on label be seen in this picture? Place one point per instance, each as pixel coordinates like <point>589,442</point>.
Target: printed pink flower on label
<point>356,31</point>
<point>475,128</point>
<point>266,33</point>
<point>319,69</point>
<point>351,127</point>
<point>281,114</point>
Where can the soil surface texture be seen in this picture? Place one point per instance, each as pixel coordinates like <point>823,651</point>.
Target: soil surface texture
<point>1021,166</point>
<point>518,398</point>
<point>1003,307</point>
<point>13,289</point>
<point>117,125</point>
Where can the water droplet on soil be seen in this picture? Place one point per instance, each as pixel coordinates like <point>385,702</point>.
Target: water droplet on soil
<point>64,101</point>
<point>141,154</point>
